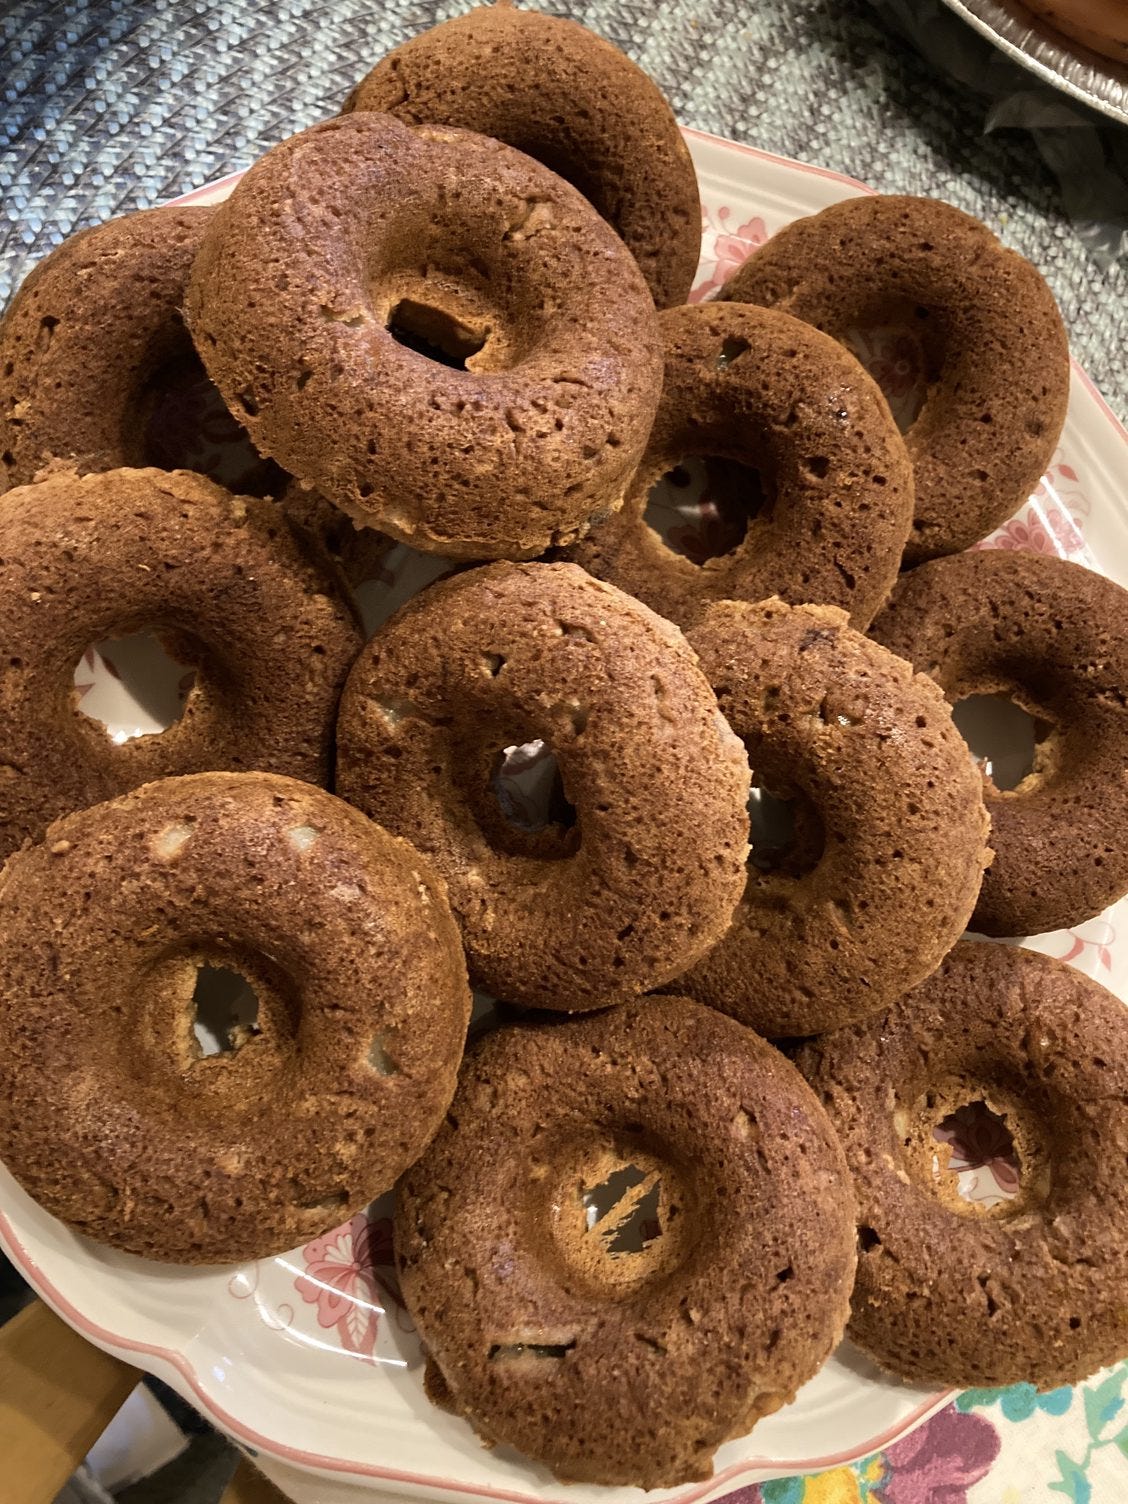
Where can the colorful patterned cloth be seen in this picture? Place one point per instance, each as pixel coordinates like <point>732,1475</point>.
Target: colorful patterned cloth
<point>992,1446</point>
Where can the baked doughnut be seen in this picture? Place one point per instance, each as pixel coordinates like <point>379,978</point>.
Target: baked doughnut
<point>111,1117</point>
<point>226,588</point>
<point>90,343</point>
<point>890,830</point>
<point>468,246</point>
<point>995,348</point>
<point>640,875</point>
<point>617,1367</point>
<point>1031,1291</point>
<point>1053,637</point>
<point>1101,25</point>
<point>565,96</point>
<point>759,387</point>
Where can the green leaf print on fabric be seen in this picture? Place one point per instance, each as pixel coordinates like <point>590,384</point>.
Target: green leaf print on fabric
<point>783,1491</point>
<point>1103,1403</point>
<point>1073,1482</point>
<point>1018,1402</point>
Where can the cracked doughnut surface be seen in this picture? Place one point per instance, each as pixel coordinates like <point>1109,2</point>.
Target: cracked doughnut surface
<point>110,1115</point>
<point>619,1367</point>
<point>890,830</point>
<point>1052,636</point>
<point>563,95</point>
<point>223,584</point>
<point>757,386</point>
<point>576,915</point>
<point>363,225</point>
<point>995,349</point>
<point>1033,1290</point>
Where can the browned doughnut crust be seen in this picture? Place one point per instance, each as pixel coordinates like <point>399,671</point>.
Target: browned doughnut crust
<point>1032,1291</point>
<point>648,876</point>
<point>627,1369</point>
<point>329,234</point>
<point>226,587</point>
<point>86,339</point>
<point>82,350</point>
<point>558,92</point>
<point>1054,637</point>
<point>995,347</point>
<point>357,552</point>
<point>891,833</point>
<point>109,1114</point>
<point>757,386</point>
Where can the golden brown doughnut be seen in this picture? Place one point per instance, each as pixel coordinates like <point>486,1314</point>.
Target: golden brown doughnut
<point>112,1118</point>
<point>467,245</point>
<point>558,92</point>
<point>996,354</point>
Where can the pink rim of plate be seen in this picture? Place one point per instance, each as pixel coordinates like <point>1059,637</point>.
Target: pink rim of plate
<point>128,1348</point>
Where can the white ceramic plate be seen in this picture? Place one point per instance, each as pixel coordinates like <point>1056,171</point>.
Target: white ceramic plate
<point>307,1359</point>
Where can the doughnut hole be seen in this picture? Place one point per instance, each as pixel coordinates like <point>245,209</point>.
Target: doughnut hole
<point>787,833</point>
<point>182,423</point>
<point>222,1028</point>
<point>226,1010</point>
<point>521,802</point>
<point>529,787</point>
<point>977,1146</point>
<point>439,294</point>
<point>701,507</point>
<point>435,333</point>
<point>978,1149</point>
<point>133,685</point>
<point>902,346</point>
<point>1007,742</point>
<point>620,1213</point>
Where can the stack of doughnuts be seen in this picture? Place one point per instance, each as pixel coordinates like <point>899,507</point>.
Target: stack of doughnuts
<point>706,1122</point>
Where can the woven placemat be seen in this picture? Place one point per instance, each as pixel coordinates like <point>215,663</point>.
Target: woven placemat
<point>118,104</point>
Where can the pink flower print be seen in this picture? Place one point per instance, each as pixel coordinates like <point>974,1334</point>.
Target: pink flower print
<point>895,364</point>
<point>730,249</point>
<point>340,1281</point>
<point>1026,534</point>
<point>1066,532</point>
<point>978,1140</point>
<point>1062,485</point>
<point>936,1464</point>
<point>1100,943</point>
<point>939,1461</point>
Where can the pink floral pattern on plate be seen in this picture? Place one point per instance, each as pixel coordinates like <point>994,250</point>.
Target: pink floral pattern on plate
<point>1094,940</point>
<point>980,1153</point>
<point>723,248</point>
<point>340,1280</point>
<point>895,359</point>
<point>1051,521</point>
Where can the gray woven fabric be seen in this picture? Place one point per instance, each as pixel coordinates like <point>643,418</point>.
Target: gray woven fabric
<point>114,105</point>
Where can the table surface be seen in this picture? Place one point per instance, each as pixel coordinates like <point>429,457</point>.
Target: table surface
<point>118,104</point>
